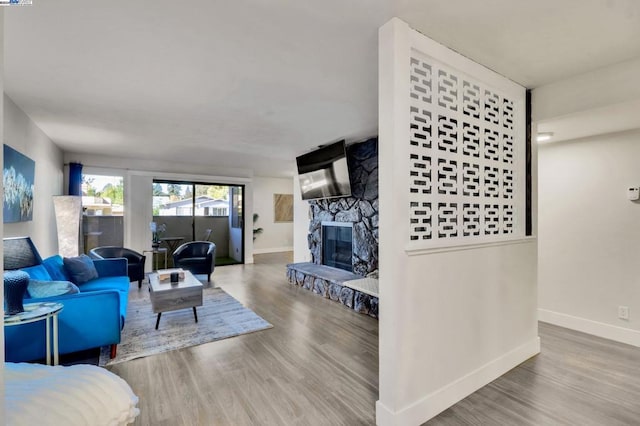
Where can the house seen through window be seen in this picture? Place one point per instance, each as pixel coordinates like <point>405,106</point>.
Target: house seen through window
<point>197,211</point>
<point>103,210</point>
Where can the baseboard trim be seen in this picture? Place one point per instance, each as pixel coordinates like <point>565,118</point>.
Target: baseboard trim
<point>384,416</point>
<point>600,329</point>
<point>272,250</point>
<point>438,401</point>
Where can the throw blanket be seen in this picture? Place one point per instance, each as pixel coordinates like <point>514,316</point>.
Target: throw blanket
<point>76,395</point>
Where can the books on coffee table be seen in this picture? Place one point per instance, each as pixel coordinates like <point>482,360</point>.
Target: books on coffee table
<point>165,274</point>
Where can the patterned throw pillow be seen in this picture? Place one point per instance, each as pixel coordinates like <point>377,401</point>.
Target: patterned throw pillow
<point>38,289</point>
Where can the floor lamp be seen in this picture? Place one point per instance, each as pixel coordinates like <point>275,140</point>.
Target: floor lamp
<point>68,209</point>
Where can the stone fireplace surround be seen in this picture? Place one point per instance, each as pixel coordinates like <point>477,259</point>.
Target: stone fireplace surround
<point>361,210</point>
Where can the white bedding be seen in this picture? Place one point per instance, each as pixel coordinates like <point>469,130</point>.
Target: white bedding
<point>76,395</point>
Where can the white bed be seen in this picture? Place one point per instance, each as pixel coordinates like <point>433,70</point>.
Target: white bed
<point>76,395</point>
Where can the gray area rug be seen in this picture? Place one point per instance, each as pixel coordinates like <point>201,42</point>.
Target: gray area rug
<point>221,316</point>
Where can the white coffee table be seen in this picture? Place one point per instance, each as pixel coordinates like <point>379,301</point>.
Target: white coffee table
<point>167,296</point>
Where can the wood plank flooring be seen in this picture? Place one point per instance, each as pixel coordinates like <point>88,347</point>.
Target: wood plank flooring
<point>577,379</point>
<point>319,366</point>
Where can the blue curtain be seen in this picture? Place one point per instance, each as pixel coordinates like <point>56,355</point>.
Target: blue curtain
<point>75,179</point>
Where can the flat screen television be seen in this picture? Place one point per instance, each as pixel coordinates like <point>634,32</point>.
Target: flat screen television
<point>324,173</point>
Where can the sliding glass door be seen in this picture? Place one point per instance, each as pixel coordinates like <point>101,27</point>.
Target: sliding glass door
<point>190,211</point>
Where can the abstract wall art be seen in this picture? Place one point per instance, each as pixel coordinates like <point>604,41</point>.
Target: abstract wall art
<point>18,179</point>
<point>283,207</point>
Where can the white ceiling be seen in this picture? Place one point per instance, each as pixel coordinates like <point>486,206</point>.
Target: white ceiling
<point>252,84</point>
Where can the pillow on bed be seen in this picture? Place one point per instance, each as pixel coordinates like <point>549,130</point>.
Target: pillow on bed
<point>38,289</point>
<point>81,269</point>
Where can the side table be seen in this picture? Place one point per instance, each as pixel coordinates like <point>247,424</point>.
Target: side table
<point>42,311</point>
<point>157,251</point>
<point>172,242</point>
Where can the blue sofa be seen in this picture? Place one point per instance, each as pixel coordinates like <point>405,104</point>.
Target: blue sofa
<point>91,318</point>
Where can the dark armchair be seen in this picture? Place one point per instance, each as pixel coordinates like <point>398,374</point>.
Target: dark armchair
<point>134,259</point>
<point>199,257</point>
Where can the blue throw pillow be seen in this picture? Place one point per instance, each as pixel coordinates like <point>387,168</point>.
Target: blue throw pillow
<point>56,268</point>
<point>80,269</point>
<point>37,272</point>
<point>38,289</point>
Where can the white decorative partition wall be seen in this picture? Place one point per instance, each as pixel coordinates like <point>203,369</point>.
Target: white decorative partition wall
<point>457,294</point>
<point>466,156</point>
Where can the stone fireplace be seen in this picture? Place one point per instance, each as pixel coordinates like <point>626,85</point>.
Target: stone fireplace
<point>337,245</point>
<point>343,234</point>
<point>359,211</point>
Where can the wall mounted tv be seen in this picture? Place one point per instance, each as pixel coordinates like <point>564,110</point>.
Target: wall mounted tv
<point>324,173</point>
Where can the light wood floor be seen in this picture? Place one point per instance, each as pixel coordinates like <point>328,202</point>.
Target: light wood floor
<point>577,379</point>
<point>319,366</point>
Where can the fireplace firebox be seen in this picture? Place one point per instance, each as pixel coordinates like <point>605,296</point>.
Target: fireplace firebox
<point>337,245</point>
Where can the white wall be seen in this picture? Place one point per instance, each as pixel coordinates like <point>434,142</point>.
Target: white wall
<point>589,235</point>
<point>598,102</point>
<point>275,237</point>
<point>139,175</point>
<point>451,319</point>
<point>301,221</point>
<point>23,135</point>
<point>451,322</point>
<point>2,400</point>
<point>602,87</point>
<point>168,167</point>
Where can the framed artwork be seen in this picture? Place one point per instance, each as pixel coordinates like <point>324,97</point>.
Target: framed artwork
<point>283,207</point>
<point>18,179</point>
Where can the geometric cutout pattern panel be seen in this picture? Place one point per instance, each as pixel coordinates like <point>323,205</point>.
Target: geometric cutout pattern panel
<point>421,221</point>
<point>462,156</point>
<point>471,220</point>
<point>447,176</point>
<point>447,220</point>
<point>420,174</point>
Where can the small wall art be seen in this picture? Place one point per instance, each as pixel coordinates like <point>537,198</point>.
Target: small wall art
<point>283,207</point>
<point>18,180</point>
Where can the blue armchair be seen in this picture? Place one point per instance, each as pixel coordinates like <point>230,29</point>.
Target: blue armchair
<point>90,319</point>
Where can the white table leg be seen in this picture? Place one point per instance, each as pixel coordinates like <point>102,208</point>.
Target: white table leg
<point>48,337</point>
<point>55,339</point>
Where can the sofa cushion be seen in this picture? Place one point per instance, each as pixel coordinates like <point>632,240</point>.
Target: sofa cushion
<point>40,289</point>
<point>120,283</point>
<point>38,272</point>
<point>80,268</point>
<point>55,266</point>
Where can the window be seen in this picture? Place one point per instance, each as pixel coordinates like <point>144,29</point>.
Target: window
<point>200,211</point>
<point>102,195</point>
<point>103,210</point>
